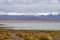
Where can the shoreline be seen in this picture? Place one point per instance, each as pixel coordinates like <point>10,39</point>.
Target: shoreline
<point>29,21</point>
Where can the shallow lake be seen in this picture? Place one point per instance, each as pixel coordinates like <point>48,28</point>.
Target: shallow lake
<point>35,26</point>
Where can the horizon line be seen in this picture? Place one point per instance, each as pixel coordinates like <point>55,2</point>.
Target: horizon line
<point>28,21</point>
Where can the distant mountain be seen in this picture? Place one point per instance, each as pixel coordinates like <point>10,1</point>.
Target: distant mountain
<point>29,17</point>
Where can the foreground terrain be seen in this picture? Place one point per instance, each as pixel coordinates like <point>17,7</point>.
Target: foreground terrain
<point>10,34</point>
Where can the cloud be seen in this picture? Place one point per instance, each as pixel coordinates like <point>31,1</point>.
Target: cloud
<point>30,13</point>
<point>54,1</point>
<point>29,5</point>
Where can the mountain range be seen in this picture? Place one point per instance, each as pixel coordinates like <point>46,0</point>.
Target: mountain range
<point>29,17</point>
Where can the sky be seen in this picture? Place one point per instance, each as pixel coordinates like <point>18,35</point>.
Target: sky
<point>26,6</point>
<point>34,7</point>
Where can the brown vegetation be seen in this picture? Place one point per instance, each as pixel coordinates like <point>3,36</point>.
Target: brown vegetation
<point>9,34</point>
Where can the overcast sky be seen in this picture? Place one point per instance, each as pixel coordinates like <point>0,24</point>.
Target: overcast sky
<point>29,5</point>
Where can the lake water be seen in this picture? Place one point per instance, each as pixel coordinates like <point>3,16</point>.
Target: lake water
<point>34,26</point>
